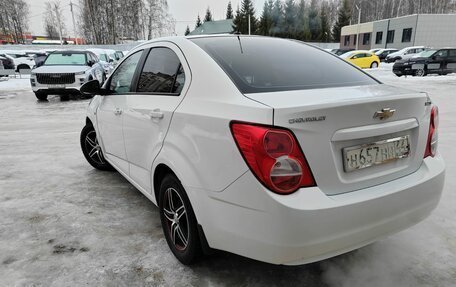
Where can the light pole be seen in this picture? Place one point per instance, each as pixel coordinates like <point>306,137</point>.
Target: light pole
<point>59,20</point>
<point>74,24</point>
<point>359,20</point>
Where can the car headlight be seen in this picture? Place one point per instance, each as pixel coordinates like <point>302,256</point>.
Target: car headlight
<point>79,73</point>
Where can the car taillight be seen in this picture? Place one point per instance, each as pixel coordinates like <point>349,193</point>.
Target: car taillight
<point>433,136</point>
<point>274,156</point>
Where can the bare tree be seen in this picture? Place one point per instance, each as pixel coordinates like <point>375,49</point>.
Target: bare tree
<point>13,19</point>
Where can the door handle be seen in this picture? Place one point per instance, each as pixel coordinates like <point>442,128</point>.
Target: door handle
<point>117,112</point>
<point>156,114</point>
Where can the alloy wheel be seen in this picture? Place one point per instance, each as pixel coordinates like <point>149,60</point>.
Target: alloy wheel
<point>420,73</point>
<point>176,219</point>
<point>93,148</point>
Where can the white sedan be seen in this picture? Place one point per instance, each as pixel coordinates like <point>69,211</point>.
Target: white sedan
<point>265,147</point>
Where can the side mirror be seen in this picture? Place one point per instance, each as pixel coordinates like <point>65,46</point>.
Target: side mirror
<point>434,57</point>
<point>111,60</point>
<point>91,88</point>
<point>90,63</point>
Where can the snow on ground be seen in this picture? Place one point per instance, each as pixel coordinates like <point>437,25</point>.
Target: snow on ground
<point>14,84</point>
<point>62,223</point>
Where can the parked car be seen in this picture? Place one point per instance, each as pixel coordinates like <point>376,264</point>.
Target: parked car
<point>105,61</point>
<point>435,61</point>
<point>405,53</point>
<point>362,59</point>
<point>339,52</point>
<point>382,53</point>
<point>22,61</point>
<point>375,50</point>
<point>265,147</point>
<point>119,55</point>
<point>64,72</point>
<point>8,61</point>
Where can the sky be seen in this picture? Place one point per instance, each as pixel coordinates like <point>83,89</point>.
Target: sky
<point>183,11</point>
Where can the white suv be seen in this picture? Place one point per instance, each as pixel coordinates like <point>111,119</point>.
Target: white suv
<point>265,147</point>
<point>64,72</point>
<point>405,53</point>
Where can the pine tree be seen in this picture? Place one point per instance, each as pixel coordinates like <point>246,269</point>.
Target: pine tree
<point>229,11</point>
<point>265,24</point>
<point>325,30</point>
<point>198,22</point>
<point>343,19</point>
<point>302,22</point>
<point>314,21</point>
<point>208,16</point>
<point>187,31</point>
<point>241,20</point>
<point>289,20</point>
<point>277,18</point>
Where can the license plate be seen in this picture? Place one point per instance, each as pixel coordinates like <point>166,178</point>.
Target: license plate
<point>362,156</point>
<point>56,86</point>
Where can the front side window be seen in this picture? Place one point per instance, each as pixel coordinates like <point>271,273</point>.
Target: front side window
<point>122,77</point>
<point>161,73</point>
<point>261,64</point>
<point>407,35</point>
<point>390,37</point>
<point>442,53</point>
<point>66,58</point>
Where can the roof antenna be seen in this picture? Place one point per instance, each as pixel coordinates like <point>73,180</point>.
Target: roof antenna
<point>237,33</point>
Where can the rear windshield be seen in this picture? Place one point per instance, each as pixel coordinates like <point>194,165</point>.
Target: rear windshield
<point>261,64</point>
<point>66,59</point>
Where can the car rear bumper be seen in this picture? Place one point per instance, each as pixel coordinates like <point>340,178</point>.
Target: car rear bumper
<point>308,225</point>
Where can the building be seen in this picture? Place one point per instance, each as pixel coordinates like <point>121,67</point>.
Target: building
<point>431,30</point>
<point>214,27</point>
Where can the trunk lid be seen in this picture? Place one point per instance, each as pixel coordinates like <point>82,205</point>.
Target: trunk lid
<point>325,121</point>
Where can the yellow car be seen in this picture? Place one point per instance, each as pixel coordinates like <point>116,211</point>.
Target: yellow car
<point>362,59</point>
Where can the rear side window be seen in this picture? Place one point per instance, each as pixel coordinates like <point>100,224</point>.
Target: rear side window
<point>162,73</point>
<point>261,64</point>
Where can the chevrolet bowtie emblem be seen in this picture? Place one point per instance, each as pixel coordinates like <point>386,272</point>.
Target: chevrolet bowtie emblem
<point>384,114</point>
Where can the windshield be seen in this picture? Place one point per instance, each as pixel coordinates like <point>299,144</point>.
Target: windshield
<point>103,57</point>
<point>425,54</point>
<point>261,64</point>
<point>66,58</point>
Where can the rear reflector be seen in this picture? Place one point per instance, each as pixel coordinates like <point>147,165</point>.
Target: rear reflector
<point>274,156</point>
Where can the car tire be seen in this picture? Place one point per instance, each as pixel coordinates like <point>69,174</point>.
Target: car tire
<point>178,221</point>
<point>41,96</point>
<point>420,72</point>
<point>92,150</point>
<point>374,65</point>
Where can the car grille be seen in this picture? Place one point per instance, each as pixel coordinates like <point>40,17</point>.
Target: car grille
<point>55,79</point>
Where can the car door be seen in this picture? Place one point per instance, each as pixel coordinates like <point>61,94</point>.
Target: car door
<point>451,63</point>
<point>437,62</point>
<point>110,112</point>
<point>161,86</point>
<point>357,59</point>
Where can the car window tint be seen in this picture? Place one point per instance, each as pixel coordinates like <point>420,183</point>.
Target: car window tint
<point>442,53</point>
<point>160,71</point>
<point>122,77</point>
<point>262,64</point>
<point>452,53</point>
<point>180,80</point>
